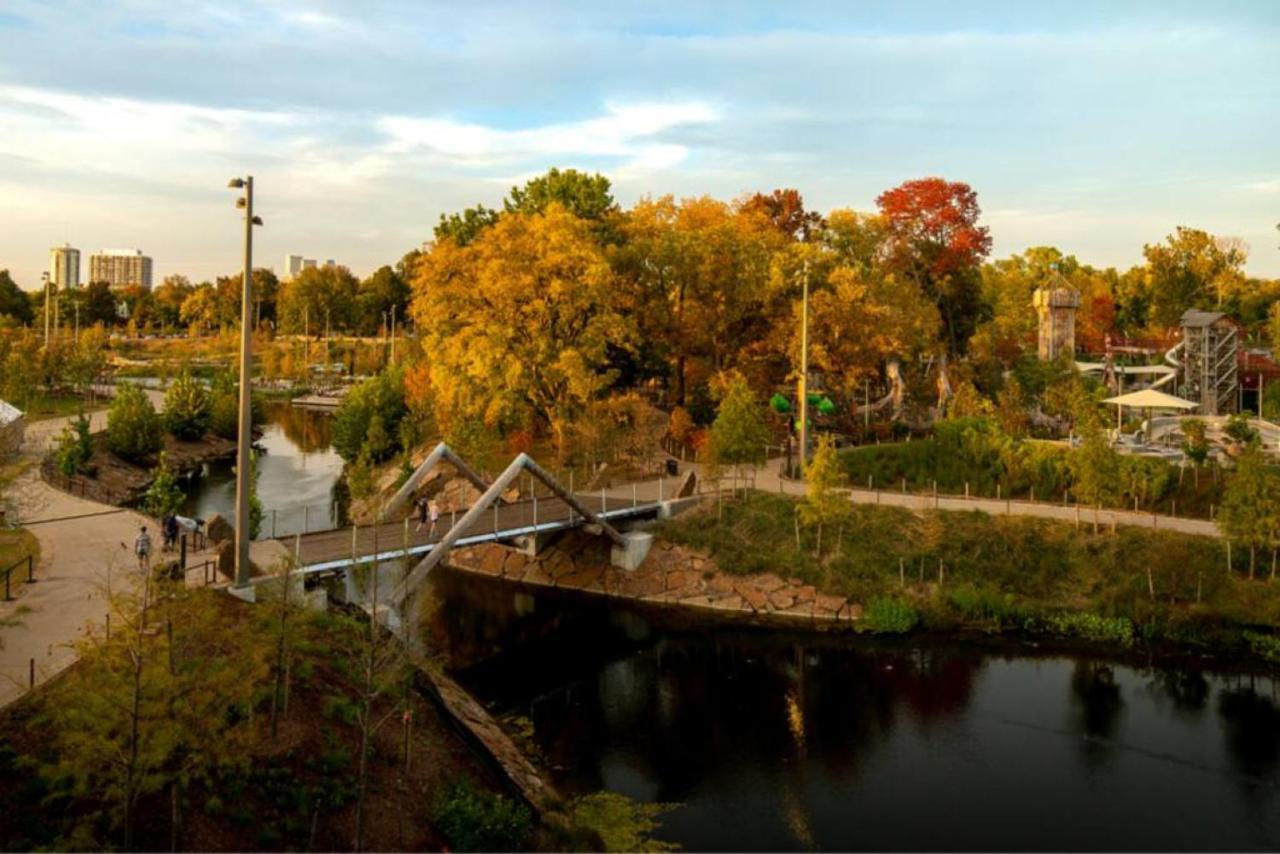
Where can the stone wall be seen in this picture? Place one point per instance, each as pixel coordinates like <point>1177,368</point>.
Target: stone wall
<point>671,575</point>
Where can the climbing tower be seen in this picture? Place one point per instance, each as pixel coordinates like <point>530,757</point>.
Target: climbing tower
<point>1056,303</point>
<point>1210,369</point>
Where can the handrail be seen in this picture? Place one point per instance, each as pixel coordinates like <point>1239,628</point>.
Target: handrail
<point>29,560</point>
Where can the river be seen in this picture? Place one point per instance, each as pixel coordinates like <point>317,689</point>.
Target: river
<point>298,474</point>
<point>785,741</point>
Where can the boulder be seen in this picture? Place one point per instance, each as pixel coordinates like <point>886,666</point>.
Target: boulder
<point>219,530</point>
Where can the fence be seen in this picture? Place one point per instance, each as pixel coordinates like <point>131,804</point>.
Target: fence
<point>302,519</point>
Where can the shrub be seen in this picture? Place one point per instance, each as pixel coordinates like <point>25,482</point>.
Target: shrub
<point>224,407</point>
<point>621,823</point>
<point>1091,627</point>
<point>134,430</point>
<point>473,821</point>
<point>381,397</point>
<point>75,447</point>
<point>890,616</point>
<point>186,407</point>
<point>164,496</point>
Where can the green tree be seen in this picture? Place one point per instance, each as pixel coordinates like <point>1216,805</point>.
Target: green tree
<point>318,298</point>
<point>163,496</point>
<point>824,477</point>
<point>74,448</point>
<point>13,302</point>
<point>585,196</point>
<point>187,407</point>
<point>1095,468</point>
<point>741,428</point>
<point>1239,430</point>
<point>1250,512</point>
<point>256,512</point>
<point>1195,444</point>
<point>380,399</point>
<point>134,430</point>
<point>99,305</point>
<point>383,291</point>
<point>463,228</point>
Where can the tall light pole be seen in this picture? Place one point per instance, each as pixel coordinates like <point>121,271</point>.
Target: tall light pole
<point>44,278</point>
<point>245,433</point>
<point>804,371</point>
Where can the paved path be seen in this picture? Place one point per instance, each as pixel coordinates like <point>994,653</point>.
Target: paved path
<point>80,541</point>
<point>767,479</point>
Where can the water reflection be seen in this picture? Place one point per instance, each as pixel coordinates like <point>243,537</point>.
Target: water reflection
<point>788,742</point>
<point>299,475</point>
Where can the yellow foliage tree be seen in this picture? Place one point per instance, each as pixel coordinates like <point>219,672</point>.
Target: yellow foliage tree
<point>518,321</point>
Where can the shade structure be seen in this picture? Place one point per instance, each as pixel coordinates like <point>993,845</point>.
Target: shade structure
<point>1151,399</point>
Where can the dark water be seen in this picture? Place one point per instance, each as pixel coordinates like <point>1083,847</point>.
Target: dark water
<point>297,474</point>
<point>795,741</point>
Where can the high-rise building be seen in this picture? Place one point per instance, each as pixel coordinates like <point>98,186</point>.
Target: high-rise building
<point>64,266</point>
<point>292,265</point>
<point>120,267</point>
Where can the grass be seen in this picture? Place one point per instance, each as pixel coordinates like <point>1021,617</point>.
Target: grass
<point>57,405</point>
<point>967,570</point>
<point>989,465</point>
<point>15,545</point>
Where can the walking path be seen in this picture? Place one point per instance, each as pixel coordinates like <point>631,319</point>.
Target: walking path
<point>80,542</point>
<point>766,478</point>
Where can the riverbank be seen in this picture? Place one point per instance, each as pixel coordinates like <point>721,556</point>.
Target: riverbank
<point>947,571</point>
<point>121,482</point>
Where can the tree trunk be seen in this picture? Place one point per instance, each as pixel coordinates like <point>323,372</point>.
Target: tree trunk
<point>817,551</point>
<point>1253,556</point>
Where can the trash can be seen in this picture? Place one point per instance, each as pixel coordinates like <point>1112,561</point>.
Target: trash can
<point>673,468</point>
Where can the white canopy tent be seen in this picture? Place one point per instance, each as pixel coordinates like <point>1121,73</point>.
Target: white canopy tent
<point>1147,399</point>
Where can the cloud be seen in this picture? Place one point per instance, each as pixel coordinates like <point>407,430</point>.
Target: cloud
<point>1272,186</point>
<point>628,132</point>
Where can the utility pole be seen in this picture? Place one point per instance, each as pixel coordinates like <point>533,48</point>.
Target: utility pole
<point>804,372</point>
<point>245,432</point>
<point>393,333</point>
<point>44,277</point>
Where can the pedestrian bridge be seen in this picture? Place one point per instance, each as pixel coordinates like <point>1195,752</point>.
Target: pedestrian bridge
<point>401,544</point>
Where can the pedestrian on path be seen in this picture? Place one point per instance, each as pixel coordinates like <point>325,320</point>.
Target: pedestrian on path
<point>142,548</point>
<point>435,517</point>
<point>421,507</point>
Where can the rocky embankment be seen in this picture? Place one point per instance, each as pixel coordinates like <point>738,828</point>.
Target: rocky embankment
<point>121,483</point>
<point>671,575</point>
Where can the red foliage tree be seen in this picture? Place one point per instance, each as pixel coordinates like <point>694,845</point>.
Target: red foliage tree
<point>785,210</point>
<point>935,239</point>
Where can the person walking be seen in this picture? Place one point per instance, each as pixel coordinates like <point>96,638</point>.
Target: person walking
<point>142,549</point>
<point>422,513</point>
<point>435,517</point>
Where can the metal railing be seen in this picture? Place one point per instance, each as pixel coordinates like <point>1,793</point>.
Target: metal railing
<point>29,560</point>
<point>301,519</point>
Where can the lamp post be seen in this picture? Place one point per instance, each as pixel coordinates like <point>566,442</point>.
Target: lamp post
<point>804,371</point>
<point>244,434</point>
<point>44,279</point>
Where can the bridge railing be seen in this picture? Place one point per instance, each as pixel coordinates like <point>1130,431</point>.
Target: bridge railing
<point>301,519</point>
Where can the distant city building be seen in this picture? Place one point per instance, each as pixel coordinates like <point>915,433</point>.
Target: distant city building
<point>120,268</point>
<point>64,266</point>
<point>295,264</point>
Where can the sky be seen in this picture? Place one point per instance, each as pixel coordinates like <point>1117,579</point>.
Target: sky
<point>1095,127</point>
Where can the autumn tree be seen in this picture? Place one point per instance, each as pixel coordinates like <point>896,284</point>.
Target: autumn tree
<point>462,228</point>
<point>934,240</point>
<point>1195,444</point>
<point>823,503</point>
<point>785,211</point>
<point>316,299</point>
<point>1189,270</point>
<point>696,277</point>
<point>741,430</point>
<point>519,321</point>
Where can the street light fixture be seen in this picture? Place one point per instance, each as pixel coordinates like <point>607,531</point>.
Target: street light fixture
<point>245,432</point>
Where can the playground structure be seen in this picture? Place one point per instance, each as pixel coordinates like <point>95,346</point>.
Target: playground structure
<point>1056,303</point>
<point>1211,352</point>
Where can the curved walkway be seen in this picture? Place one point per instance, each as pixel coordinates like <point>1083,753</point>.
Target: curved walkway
<point>767,479</point>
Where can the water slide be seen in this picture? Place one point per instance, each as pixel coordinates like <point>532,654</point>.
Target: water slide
<point>1165,373</point>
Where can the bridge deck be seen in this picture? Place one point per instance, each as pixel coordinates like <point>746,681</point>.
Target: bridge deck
<point>325,550</point>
